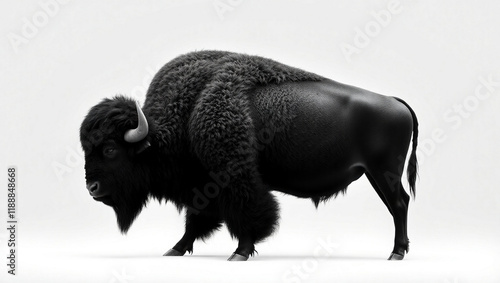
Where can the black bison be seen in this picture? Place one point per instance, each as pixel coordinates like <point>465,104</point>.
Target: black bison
<point>219,131</point>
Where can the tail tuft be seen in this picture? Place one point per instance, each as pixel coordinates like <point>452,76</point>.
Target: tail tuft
<point>412,170</point>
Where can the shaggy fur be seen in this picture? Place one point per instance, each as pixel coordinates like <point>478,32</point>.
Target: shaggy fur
<point>198,110</point>
<point>208,93</point>
<point>197,78</point>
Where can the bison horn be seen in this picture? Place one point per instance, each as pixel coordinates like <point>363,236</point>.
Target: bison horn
<point>139,133</point>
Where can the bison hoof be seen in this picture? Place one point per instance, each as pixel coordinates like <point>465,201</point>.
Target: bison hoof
<point>237,257</point>
<point>395,256</point>
<point>173,252</point>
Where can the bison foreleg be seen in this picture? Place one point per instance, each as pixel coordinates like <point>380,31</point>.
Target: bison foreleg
<point>222,134</point>
<point>198,226</point>
<point>250,219</point>
<point>245,249</point>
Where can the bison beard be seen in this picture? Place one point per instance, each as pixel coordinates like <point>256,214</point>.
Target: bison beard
<point>198,108</point>
<point>129,203</point>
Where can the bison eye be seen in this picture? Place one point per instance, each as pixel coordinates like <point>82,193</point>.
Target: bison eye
<point>109,151</point>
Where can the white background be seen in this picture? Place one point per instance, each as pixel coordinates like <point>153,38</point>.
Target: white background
<point>432,54</point>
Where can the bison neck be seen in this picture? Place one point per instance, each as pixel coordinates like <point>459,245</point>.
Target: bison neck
<point>176,178</point>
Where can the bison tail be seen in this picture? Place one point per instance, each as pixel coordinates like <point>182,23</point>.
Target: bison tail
<point>412,169</point>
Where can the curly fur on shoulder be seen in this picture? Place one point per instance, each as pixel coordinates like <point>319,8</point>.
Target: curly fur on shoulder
<point>187,80</point>
<point>200,100</point>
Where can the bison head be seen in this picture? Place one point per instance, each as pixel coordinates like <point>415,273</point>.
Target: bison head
<point>115,137</point>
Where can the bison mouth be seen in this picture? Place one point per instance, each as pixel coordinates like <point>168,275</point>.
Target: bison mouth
<point>107,200</point>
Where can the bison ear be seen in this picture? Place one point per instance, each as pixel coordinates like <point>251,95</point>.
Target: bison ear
<point>142,146</point>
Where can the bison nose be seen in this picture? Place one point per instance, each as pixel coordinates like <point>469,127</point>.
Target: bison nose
<point>93,188</point>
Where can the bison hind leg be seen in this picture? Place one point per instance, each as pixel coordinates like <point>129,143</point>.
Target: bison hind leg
<point>388,186</point>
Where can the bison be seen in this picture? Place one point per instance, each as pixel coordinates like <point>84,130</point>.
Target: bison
<point>219,131</point>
